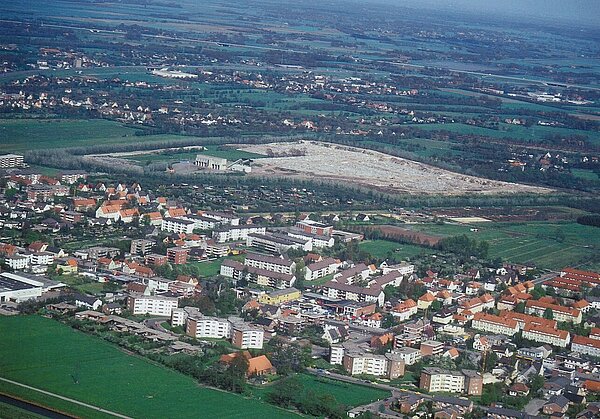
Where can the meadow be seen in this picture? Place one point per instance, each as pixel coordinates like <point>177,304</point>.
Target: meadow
<point>212,150</point>
<point>382,249</point>
<point>17,135</point>
<point>549,245</point>
<point>96,372</point>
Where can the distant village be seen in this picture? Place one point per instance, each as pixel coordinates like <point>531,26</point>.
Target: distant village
<point>430,339</point>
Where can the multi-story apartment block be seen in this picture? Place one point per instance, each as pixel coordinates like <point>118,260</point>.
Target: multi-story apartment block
<point>270,263</point>
<point>547,335</point>
<point>389,365</point>
<point>11,160</point>
<point>410,356</point>
<point>585,345</point>
<point>495,324</point>
<point>435,379</point>
<point>314,227</point>
<point>238,271</point>
<point>155,305</point>
<point>141,246</point>
<point>177,255</point>
<point>246,337</point>
<point>441,380</point>
<point>431,348</point>
<point>177,225</point>
<point>208,327</point>
<point>559,313</point>
<point>236,233</point>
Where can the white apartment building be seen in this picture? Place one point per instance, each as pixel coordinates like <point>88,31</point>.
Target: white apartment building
<point>270,263</point>
<point>559,313</point>
<point>585,345</point>
<point>410,356</point>
<point>245,337</point>
<point>235,233</point>
<point>41,258</point>
<point>177,225</point>
<point>11,160</point>
<point>179,316</point>
<point>208,327</point>
<point>155,305</point>
<point>439,380</point>
<point>495,324</point>
<point>336,354</point>
<point>17,262</point>
<point>547,335</point>
<point>363,363</point>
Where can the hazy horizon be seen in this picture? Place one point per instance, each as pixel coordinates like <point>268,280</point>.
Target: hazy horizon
<point>584,12</point>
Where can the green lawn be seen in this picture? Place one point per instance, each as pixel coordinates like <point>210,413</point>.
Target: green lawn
<point>382,249</point>
<point>8,411</point>
<point>212,150</point>
<point>345,393</point>
<point>51,356</point>
<point>585,174</point>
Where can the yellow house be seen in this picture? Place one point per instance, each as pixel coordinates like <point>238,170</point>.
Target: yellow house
<point>280,296</point>
<point>68,268</point>
<point>425,301</point>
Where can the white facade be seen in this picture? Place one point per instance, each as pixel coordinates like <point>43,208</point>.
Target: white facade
<point>208,327</point>
<point>270,263</point>
<point>236,233</point>
<point>248,338</point>
<point>17,262</point>
<point>447,382</point>
<point>41,258</point>
<point>488,323</point>
<point>410,356</point>
<point>176,225</point>
<point>558,338</point>
<point>336,354</point>
<point>154,305</point>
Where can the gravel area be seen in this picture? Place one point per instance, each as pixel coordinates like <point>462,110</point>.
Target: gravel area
<point>370,168</point>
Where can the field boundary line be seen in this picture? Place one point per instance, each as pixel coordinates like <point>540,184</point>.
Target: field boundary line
<point>89,406</point>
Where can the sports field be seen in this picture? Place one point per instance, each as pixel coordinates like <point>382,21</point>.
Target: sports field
<point>51,356</point>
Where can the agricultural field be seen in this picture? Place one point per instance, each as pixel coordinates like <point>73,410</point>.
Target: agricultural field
<point>550,245</point>
<point>17,135</point>
<point>98,373</point>
<point>382,249</point>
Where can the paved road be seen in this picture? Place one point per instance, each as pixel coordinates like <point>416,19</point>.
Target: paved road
<point>58,396</point>
<point>266,48</point>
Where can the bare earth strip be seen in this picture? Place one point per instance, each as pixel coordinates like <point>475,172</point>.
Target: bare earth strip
<point>371,169</point>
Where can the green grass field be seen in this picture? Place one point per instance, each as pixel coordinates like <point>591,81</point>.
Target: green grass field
<point>27,134</point>
<point>551,245</point>
<point>382,249</point>
<point>51,356</point>
<point>212,150</point>
<point>345,393</point>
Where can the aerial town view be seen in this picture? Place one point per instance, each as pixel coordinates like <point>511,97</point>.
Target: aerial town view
<point>283,209</point>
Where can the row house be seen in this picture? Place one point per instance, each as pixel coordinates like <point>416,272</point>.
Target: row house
<point>495,324</point>
<point>547,335</point>
<point>560,313</point>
